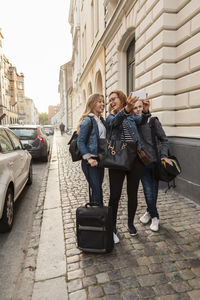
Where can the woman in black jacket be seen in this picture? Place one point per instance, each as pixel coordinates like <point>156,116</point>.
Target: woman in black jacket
<point>149,181</point>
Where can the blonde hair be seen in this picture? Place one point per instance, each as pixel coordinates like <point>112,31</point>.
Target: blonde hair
<point>122,97</point>
<point>89,106</point>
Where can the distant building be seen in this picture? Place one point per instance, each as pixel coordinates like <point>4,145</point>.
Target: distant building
<point>65,85</point>
<point>52,111</point>
<point>32,116</point>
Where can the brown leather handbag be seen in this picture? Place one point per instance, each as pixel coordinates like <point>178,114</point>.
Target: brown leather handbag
<point>143,157</point>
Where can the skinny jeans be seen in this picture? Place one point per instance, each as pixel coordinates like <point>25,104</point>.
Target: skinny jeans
<point>116,179</point>
<point>94,176</point>
<point>150,187</point>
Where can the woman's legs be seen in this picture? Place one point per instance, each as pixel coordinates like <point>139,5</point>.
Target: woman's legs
<point>133,178</point>
<point>150,187</point>
<point>116,179</point>
<point>94,176</point>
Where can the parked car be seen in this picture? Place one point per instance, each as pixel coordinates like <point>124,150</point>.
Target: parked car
<point>35,137</point>
<point>15,173</point>
<point>49,129</point>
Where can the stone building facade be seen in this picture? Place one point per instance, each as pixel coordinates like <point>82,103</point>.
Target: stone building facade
<point>154,45</point>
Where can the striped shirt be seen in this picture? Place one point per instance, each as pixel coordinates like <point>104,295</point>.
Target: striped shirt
<point>126,134</point>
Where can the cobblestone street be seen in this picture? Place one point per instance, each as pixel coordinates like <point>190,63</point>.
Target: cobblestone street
<point>163,265</point>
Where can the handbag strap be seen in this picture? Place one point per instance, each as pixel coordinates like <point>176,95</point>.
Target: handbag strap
<point>130,133</point>
<point>153,135</point>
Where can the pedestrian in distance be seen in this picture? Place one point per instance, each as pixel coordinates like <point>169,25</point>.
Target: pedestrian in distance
<point>62,128</point>
<point>123,124</point>
<point>90,128</point>
<point>149,182</point>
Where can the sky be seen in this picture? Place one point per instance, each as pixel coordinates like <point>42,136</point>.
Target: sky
<point>37,41</point>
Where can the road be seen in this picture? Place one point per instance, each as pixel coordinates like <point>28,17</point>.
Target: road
<point>13,244</point>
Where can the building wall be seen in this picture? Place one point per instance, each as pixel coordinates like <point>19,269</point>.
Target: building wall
<point>52,111</point>
<point>167,66</point>
<point>87,26</point>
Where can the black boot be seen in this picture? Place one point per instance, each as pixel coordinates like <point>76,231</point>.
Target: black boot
<point>131,228</point>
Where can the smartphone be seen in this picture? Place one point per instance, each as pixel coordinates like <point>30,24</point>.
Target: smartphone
<point>141,94</point>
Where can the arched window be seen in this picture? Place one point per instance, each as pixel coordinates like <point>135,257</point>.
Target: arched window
<point>130,53</point>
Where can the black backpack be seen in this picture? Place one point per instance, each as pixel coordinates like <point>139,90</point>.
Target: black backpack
<point>73,148</point>
<point>164,171</point>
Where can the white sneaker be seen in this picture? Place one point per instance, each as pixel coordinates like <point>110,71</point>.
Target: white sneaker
<point>154,224</point>
<point>115,238</point>
<point>145,218</point>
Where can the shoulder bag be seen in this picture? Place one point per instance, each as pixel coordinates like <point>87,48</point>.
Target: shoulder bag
<point>116,154</point>
<point>73,148</point>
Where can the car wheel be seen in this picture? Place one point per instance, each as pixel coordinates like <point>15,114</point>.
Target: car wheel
<point>30,174</point>
<point>8,212</point>
<point>45,158</point>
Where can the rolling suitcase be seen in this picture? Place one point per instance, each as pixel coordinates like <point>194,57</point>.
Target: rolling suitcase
<point>94,228</point>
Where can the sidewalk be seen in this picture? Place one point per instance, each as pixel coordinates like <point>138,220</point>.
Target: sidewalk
<point>163,265</point>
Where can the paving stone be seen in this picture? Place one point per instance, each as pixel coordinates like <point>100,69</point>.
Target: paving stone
<point>146,292</point>
<point>114,275</point>
<point>112,288</point>
<point>74,285</point>
<point>181,286</point>
<point>102,277</point>
<point>129,295</point>
<point>143,270</point>
<point>187,274</point>
<point>163,289</point>
<point>151,280</point>
<point>113,297</point>
<point>75,274</point>
<point>194,295</point>
<point>79,295</point>
<point>86,263</point>
<point>194,283</point>
<point>89,281</point>
<point>128,283</point>
<point>196,271</point>
<point>95,292</point>
<point>91,270</point>
<point>73,266</point>
<point>155,268</point>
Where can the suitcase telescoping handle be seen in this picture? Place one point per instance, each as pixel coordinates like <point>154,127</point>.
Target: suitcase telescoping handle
<point>93,204</point>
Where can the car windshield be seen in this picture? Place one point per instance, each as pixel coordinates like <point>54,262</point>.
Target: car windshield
<point>25,133</point>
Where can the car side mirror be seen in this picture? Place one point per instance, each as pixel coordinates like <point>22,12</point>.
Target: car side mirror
<point>26,146</point>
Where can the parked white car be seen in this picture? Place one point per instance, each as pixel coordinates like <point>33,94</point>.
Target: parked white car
<point>15,173</point>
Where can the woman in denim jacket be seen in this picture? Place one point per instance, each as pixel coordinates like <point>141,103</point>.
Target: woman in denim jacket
<point>91,127</point>
<point>123,126</point>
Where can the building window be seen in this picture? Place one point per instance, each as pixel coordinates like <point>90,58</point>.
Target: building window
<point>130,54</point>
<point>92,19</point>
<point>20,85</point>
<point>20,97</point>
<point>96,16</point>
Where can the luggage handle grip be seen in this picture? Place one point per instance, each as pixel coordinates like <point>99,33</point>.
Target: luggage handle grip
<point>93,204</point>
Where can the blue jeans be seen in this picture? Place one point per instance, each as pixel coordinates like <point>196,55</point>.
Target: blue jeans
<point>94,176</point>
<point>150,187</point>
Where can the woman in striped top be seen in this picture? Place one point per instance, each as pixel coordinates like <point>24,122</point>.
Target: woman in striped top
<point>124,126</point>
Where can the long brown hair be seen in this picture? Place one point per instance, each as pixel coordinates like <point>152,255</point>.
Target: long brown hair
<point>89,106</point>
<point>122,97</point>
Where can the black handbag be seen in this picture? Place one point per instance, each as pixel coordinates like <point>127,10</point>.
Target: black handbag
<point>164,171</point>
<point>73,148</point>
<point>116,154</point>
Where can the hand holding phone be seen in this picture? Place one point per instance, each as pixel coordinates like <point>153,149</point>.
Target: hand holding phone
<point>141,94</point>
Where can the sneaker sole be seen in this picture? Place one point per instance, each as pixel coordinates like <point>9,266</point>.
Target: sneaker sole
<point>154,230</point>
<point>133,234</point>
<point>144,222</point>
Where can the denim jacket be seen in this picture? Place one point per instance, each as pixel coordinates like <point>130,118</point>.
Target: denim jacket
<point>90,148</point>
<point>114,123</point>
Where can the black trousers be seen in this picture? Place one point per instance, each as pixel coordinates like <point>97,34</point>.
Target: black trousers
<point>116,178</point>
